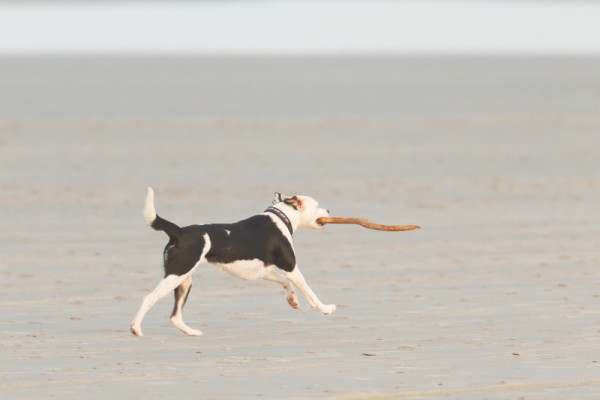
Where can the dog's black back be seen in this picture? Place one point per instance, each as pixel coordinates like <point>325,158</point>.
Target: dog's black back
<point>254,238</point>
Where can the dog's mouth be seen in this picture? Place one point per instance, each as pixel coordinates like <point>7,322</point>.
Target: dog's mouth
<point>320,221</point>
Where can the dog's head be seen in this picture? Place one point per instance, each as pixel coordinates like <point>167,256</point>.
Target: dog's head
<point>305,207</point>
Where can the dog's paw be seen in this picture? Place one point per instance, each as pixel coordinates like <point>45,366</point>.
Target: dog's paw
<point>293,302</point>
<point>136,330</point>
<point>328,309</point>
<point>179,324</point>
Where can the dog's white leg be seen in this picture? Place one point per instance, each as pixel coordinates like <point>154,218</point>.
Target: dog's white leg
<point>164,287</point>
<point>181,294</point>
<point>298,280</point>
<point>289,290</point>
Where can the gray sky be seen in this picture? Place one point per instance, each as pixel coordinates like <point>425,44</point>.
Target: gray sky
<point>301,27</point>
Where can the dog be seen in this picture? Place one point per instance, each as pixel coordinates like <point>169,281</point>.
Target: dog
<point>259,247</point>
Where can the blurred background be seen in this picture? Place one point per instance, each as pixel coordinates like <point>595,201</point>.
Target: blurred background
<point>330,27</point>
<point>478,120</point>
<point>65,36</point>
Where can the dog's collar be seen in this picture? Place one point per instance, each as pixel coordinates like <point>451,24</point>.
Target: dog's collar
<point>282,217</point>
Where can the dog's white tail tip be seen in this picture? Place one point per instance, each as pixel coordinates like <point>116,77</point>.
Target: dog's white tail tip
<point>149,211</point>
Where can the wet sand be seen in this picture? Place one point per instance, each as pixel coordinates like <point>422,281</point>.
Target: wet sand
<point>497,296</point>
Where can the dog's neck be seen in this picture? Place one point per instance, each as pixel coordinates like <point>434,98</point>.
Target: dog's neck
<point>282,216</point>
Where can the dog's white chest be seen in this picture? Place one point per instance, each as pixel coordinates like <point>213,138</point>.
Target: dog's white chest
<point>247,269</point>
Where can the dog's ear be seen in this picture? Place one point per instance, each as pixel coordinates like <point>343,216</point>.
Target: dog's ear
<point>277,198</point>
<point>293,201</point>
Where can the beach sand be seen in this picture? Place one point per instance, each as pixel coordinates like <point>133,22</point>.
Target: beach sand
<point>496,297</point>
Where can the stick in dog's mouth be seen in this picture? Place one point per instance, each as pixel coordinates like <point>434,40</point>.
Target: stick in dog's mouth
<point>365,223</point>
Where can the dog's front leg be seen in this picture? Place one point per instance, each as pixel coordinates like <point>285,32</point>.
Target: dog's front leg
<point>298,280</point>
<point>285,283</point>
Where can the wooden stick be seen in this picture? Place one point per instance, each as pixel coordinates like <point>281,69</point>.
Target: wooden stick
<point>365,223</point>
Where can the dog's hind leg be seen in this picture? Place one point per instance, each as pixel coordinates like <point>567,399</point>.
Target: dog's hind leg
<point>181,294</point>
<point>164,287</point>
<point>175,276</point>
<point>289,290</point>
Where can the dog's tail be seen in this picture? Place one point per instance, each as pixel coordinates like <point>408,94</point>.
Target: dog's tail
<point>155,221</point>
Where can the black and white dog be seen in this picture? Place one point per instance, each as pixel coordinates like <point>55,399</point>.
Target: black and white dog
<point>257,247</point>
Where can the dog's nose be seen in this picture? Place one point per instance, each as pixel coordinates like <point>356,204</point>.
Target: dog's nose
<point>328,212</point>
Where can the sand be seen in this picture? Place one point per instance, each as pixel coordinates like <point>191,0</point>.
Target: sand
<point>496,297</point>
